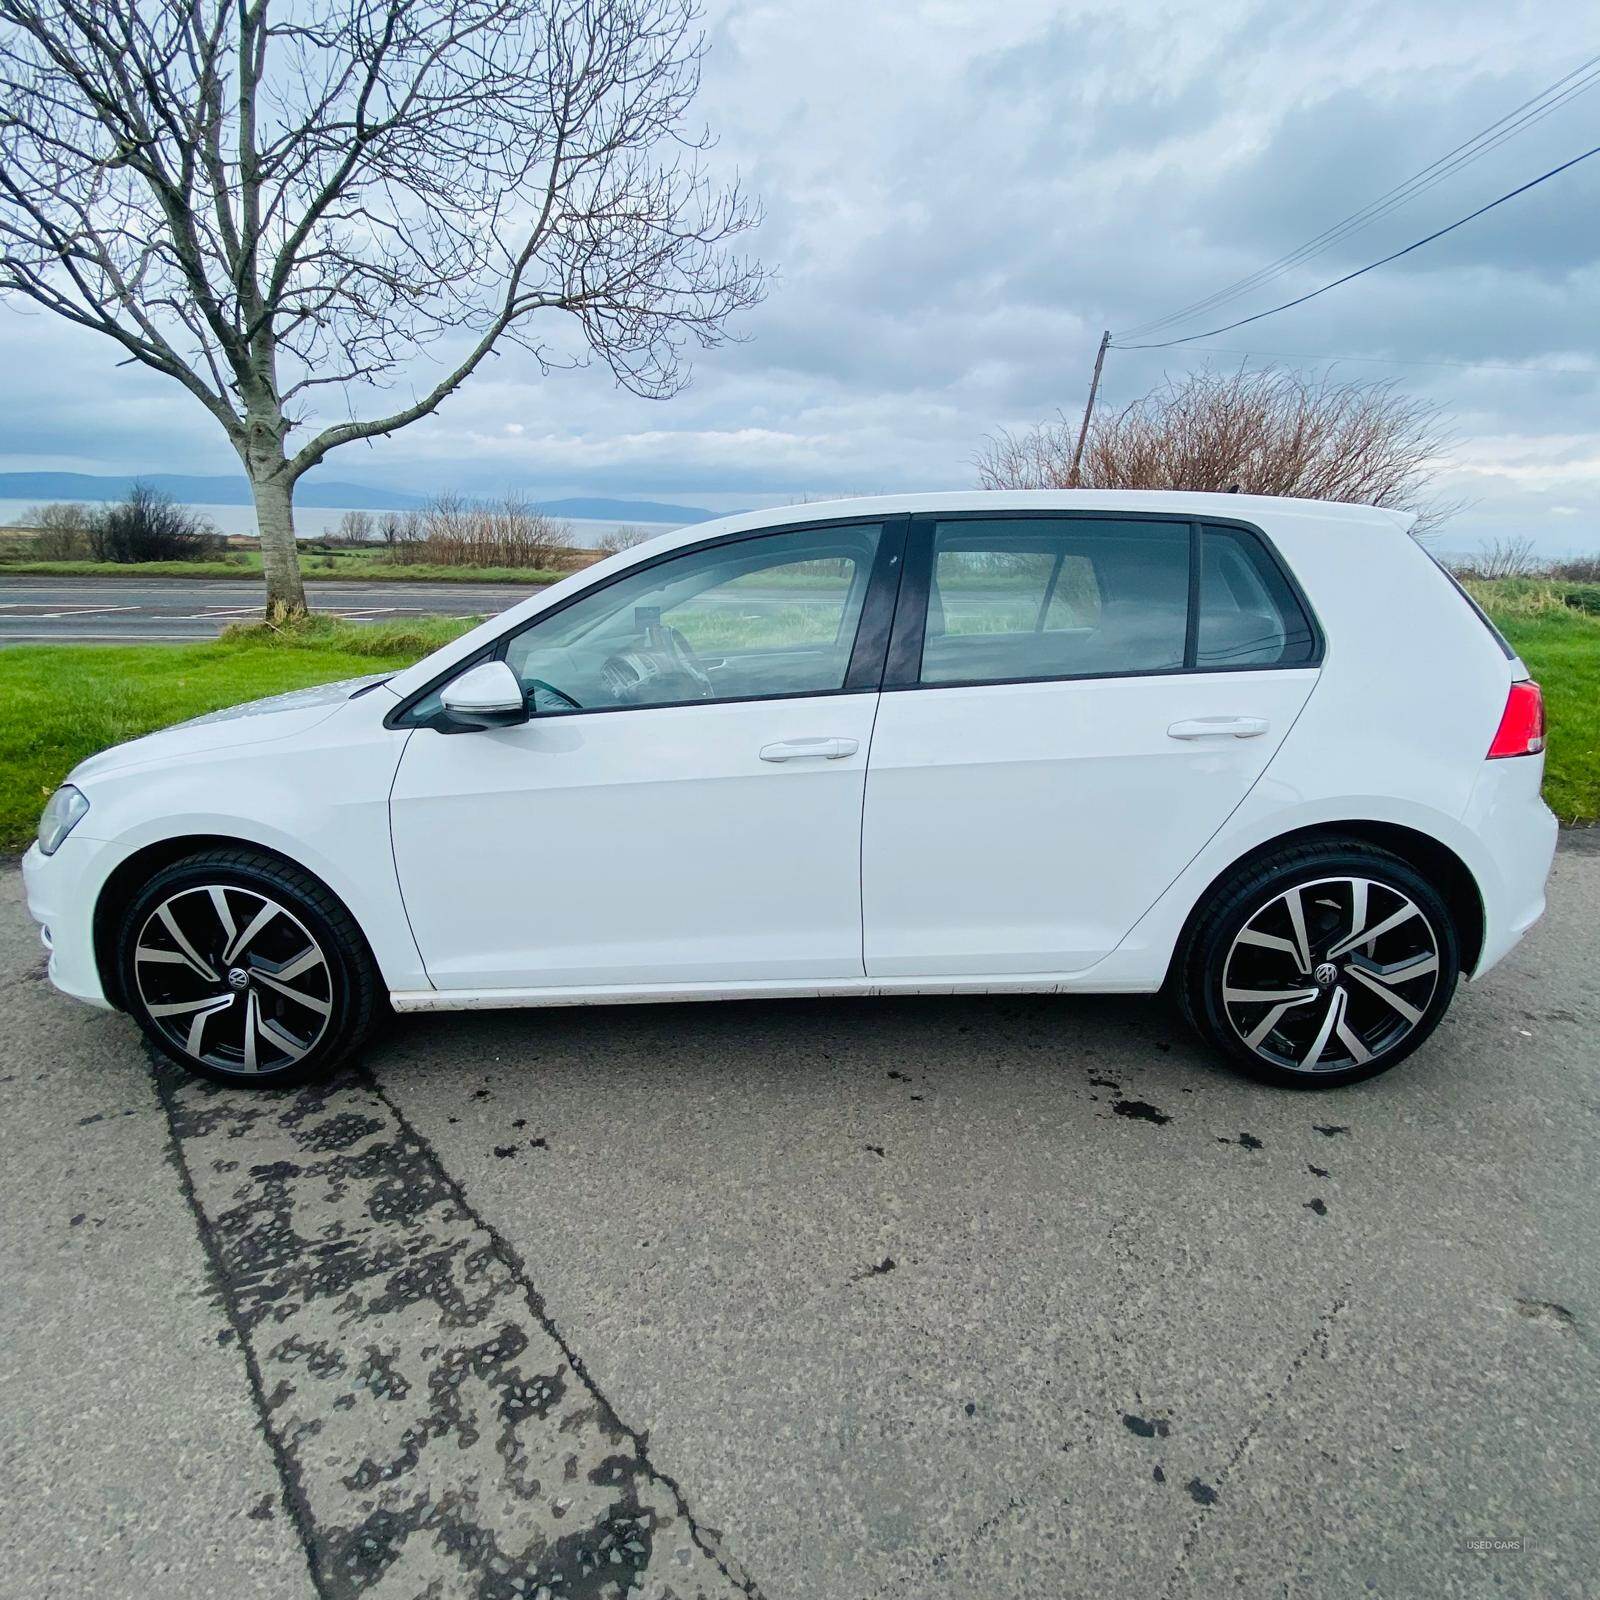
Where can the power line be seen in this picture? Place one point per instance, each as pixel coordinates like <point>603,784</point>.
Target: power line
<point>1361,221</point>
<point>1392,361</point>
<point>1372,266</point>
<point>1518,120</point>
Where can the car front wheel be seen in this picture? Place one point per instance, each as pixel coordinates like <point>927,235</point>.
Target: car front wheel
<point>1320,965</point>
<point>246,970</point>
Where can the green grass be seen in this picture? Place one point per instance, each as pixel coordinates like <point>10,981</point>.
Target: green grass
<point>340,565</point>
<point>64,702</point>
<point>1561,647</point>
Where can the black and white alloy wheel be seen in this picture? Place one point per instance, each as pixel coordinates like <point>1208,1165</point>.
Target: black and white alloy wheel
<point>245,969</point>
<point>1330,974</point>
<point>233,979</point>
<point>1321,965</point>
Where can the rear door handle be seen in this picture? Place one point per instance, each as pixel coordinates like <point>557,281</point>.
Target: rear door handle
<point>1218,728</point>
<point>809,750</point>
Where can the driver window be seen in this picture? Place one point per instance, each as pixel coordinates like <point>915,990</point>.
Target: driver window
<point>766,616</point>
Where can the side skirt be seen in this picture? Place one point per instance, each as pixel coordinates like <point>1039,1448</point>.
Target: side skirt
<point>776,989</point>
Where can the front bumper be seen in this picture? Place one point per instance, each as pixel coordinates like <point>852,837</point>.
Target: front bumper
<point>61,892</point>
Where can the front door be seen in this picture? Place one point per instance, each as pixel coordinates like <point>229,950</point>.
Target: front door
<point>1063,732</point>
<point>683,807</point>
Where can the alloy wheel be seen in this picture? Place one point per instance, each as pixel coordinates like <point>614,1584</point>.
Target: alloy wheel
<point>1330,974</point>
<point>233,979</point>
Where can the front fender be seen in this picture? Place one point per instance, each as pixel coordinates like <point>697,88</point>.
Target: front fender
<point>320,801</point>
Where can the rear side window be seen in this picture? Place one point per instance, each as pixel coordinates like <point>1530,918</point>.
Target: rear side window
<point>1037,598</point>
<point>1248,616</point>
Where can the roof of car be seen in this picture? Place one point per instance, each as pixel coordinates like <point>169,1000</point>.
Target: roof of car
<point>1245,507</point>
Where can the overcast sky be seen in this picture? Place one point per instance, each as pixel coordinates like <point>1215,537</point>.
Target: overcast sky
<point>961,195</point>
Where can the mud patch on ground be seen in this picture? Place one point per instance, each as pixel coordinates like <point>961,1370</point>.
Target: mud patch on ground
<point>435,1433</point>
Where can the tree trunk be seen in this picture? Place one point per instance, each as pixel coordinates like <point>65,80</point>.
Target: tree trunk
<point>280,559</point>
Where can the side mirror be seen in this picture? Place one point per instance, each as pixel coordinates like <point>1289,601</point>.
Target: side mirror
<point>486,696</point>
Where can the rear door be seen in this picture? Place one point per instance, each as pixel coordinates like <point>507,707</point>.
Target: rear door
<point>1073,705</point>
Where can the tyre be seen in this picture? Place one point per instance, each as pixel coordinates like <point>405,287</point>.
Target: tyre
<point>246,970</point>
<point>1320,965</point>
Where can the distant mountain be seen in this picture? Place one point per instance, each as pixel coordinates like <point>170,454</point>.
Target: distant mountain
<point>594,510</point>
<point>328,494</point>
<point>194,491</point>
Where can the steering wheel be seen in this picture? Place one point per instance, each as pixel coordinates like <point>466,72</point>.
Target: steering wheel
<point>664,668</point>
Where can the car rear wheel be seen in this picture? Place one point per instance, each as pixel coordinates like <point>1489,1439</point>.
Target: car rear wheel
<point>246,970</point>
<point>1320,965</point>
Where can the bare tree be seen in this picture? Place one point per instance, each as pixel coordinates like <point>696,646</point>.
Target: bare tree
<point>356,528</point>
<point>1271,431</point>
<point>280,202</point>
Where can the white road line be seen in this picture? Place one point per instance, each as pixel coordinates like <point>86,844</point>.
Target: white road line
<point>58,637</point>
<point>70,611</point>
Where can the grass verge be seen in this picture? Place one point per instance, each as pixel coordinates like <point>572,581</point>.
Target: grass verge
<point>64,702</point>
<point>1563,653</point>
<point>342,566</point>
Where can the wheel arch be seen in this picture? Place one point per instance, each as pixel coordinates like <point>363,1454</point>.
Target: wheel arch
<point>124,881</point>
<point>1436,861</point>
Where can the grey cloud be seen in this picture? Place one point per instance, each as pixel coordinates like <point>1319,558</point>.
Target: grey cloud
<point>960,197</point>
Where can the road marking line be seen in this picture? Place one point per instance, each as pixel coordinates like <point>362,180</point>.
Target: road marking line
<point>60,636</point>
<point>68,611</point>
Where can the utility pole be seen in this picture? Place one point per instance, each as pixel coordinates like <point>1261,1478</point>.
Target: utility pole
<point>1088,410</point>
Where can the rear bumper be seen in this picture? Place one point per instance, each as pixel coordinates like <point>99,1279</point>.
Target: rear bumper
<point>61,891</point>
<point>1517,833</point>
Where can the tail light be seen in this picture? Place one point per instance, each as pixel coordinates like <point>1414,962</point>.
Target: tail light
<point>1521,731</point>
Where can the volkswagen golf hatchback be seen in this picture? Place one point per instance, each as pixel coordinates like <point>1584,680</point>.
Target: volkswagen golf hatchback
<point>1261,753</point>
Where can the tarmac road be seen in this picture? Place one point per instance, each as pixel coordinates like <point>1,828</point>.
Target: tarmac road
<point>925,1299</point>
<point>130,610</point>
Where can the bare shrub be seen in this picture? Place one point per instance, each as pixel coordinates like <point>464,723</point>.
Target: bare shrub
<point>620,539</point>
<point>1510,557</point>
<point>150,526</point>
<point>451,531</point>
<point>1576,569</point>
<point>1271,432</point>
<point>61,531</point>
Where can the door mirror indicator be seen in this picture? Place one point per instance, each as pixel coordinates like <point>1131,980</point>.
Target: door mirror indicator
<point>485,696</point>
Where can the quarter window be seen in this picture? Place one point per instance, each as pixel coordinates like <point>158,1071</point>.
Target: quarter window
<point>767,616</point>
<point>1039,598</point>
<point>1249,616</point>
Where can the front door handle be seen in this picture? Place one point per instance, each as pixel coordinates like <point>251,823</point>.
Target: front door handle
<point>1218,728</point>
<point>809,750</point>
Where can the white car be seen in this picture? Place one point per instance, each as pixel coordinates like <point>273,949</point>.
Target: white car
<point>1264,753</point>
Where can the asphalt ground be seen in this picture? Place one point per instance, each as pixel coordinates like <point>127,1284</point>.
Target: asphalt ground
<point>912,1298</point>
<point>132,610</point>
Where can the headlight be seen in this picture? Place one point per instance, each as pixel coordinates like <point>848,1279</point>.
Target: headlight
<point>67,808</point>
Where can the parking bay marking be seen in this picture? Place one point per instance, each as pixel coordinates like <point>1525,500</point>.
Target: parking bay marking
<point>434,1431</point>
